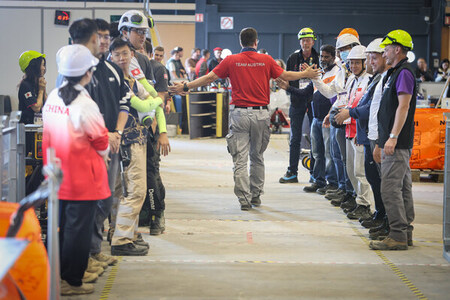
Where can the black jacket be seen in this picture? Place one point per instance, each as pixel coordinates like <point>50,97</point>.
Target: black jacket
<point>388,108</point>
<point>294,63</point>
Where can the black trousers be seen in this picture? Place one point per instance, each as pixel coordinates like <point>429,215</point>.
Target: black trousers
<point>154,202</point>
<point>76,222</point>
<point>373,176</point>
<point>309,112</point>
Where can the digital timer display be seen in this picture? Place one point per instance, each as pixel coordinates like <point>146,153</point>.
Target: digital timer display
<point>62,17</point>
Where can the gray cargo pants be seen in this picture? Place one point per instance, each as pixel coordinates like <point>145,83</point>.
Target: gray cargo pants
<point>249,135</point>
<point>396,192</point>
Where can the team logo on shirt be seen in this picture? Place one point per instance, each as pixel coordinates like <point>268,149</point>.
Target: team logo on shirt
<point>135,72</point>
<point>28,95</point>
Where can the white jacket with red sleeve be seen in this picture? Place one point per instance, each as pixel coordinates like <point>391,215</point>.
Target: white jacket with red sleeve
<point>78,134</point>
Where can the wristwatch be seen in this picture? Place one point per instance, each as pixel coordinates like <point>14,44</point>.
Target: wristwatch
<point>119,132</point>
<point>393,136</point>
<point>185,88</point>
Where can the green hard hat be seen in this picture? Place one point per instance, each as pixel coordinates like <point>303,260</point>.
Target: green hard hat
<point>26,57</point>
<point>306,33</point>
<point>399,37</point>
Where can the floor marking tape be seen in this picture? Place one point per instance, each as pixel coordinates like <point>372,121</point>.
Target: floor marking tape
<point>236,220</point>
<point>110,280</point>
<point>392,266</point>
<point>190,261</point>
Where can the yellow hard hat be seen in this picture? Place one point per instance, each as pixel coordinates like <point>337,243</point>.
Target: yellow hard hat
<point>399,37</point>
<point>26,57</point>
<point>306,33</point>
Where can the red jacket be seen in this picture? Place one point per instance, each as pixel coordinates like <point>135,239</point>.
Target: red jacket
<point>199,65</point>
<point>78,134</point>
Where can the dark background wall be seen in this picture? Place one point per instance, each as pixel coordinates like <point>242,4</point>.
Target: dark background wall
<point>278,22</point>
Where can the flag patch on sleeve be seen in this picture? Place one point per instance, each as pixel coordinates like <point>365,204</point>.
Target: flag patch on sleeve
<point>28,95</point>
<point>135,72</point>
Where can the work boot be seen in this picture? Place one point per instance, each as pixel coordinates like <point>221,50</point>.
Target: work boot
<point>67,289</point>
<point>104,258</point>
<point>94,267</point>
<point>129,249</point>
<point>384,225</point>
<point>256,201</point>
<point>157,225</point>
<point>349,203</point>
<point>245,205</point>
<point>335,194</point>
<point>388,244</point>
<point>325,189</point>
<point>97,263</point>
<point>338,200</point>
<point>289,177</point>
<point>380,234</point>
<point>361,211</point>
<point>312,188</point>
<point>371,223</point>
<point>139,241</point>
<point>89,277</point>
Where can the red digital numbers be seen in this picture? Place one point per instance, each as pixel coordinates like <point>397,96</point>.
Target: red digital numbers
<point>65,17</point>
<point>62,17</point>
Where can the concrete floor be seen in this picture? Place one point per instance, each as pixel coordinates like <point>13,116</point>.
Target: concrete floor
<point>295,246</point>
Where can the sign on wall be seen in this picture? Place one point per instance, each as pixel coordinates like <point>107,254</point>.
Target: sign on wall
<point>62,17</point>
<point>226,23</point>
<point>199,18</point>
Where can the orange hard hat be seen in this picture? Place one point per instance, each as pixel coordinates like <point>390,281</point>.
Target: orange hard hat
<point>349,30</point>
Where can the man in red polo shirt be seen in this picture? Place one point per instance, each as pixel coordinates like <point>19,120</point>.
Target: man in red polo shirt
<point>249,73</point>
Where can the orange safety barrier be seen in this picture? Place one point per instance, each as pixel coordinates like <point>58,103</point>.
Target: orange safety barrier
<point>429,139</point>
<point>31,270</point>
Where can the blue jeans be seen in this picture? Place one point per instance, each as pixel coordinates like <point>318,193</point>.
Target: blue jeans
<point>324,170</point>
<point>336,156</point>
<point>340,138</point>
<point>296,114</point>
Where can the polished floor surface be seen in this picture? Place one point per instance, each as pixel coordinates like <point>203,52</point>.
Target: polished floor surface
<point>295,246</point>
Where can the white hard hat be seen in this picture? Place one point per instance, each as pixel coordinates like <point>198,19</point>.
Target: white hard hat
<point>75,60</point>
<point>346,40</point>
<point>374,46</point>
<point>357,52</point>
<point>225,53</point>
<point>411,56</point>
<point>133,19</point>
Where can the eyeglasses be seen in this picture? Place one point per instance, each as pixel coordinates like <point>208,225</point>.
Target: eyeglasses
<point>140,31</point>
<point>104,36</point>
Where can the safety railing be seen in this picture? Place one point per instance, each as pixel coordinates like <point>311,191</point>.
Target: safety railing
<point>12,158</point>
<point>446,229</point>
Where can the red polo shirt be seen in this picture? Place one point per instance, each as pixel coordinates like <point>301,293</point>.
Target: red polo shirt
<point>249,73</point>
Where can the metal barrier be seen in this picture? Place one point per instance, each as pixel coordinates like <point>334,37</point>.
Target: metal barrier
<point>446,229</point>
<point>12,158</point>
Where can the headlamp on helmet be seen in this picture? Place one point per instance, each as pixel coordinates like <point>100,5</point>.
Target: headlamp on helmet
<point>307,33</point>
<point>133,19</point>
